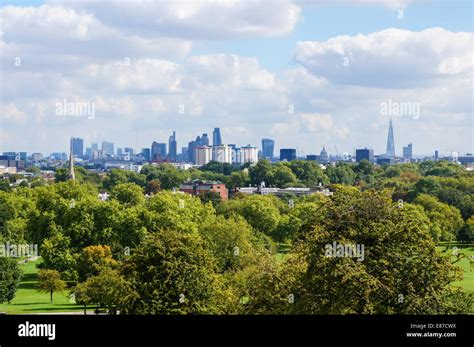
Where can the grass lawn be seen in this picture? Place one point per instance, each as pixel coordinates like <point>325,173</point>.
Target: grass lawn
<point>29,300</point>
<point>468,282</point>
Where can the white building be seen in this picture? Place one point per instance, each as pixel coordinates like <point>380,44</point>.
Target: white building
<point>222,154</point>
<point>203,155</point>
<point>248,154</point>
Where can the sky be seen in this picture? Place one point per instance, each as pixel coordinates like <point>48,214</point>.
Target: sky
<point>307,74</point>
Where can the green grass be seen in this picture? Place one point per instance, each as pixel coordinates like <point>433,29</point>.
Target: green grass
<point>29,300</point>
<point>468,281</point>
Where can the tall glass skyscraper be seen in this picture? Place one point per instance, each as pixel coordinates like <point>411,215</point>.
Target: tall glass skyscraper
<point>173,147</point>
<point>268,146</point>
<point>390,142</point>
<point>216,137</point>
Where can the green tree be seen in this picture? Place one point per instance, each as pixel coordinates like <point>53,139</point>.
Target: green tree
<point>10,277</point>
<point>153,187</point>
<point>50,281</point>
<point>281,176</point>
<point>172,273</point>
<point>128,194</point>
<point>260,172</point>
<point>107,289</point>
<point>93,259</point>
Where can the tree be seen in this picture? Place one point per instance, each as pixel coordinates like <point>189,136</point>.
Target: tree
<point>466,233</point>
<point>107,289</point>
<point>173,273</point>
<point>342,173</point>
<point>281,176</point>
<point>128,194</point>
<point>445,220</point>
<point>93,259</point>
<point>5,185</point>
<point>169,176</point>
<point>50,281</point>
<point>260,172</point>
<point>153,187</point>
<point>308,172</point>
<point>10,277</point>
<point>399,270</point>
<point>238,179</point>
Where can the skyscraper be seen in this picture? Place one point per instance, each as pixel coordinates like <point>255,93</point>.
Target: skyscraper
<point>390,142</point>
<point>287,154</point>
<point>158,151</point>
<point>77,147</point>
<point>173,147</point>
<point>216,137</point>
<point>364,154</point>
<point>408,151</point>
<point>108,148</point>
<point>268,146</point>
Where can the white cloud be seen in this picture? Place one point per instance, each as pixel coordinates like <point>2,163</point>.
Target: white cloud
<point>390,58</point>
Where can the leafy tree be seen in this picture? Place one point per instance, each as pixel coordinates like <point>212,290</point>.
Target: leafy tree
<point>58,255</point>
<point>128,194</point>
<point>308,172</point>
<point>210,196</point>
<point>153,187</point>
<point>221,168</point>
<point>5,185</point>
<point>10,277</point>
<point>172,273</point>
<point>282,176</point>
<point>466,233</point>
<point>238,179</point>
<point>107,289</point>
<point>169,176</point>
<point>50,281</point>
<point>401,270</point>
<point>342,173</point>
<point>445,220</point>
<point>93,259</point>
<point>260,172</point>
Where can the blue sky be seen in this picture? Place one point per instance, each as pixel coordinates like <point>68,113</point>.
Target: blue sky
<point>185,54</point>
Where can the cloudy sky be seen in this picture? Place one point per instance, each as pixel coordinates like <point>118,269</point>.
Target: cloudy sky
<point>305,73</point>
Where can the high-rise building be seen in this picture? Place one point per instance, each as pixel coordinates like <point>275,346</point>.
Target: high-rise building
<point>364,154</point>
<point>408,151</point>
<point>248,154</point>
<point>107,148</point>
<point>216,137</point>
<point>146,153</point>
<point>268,145</point>
<point>119,152</point>
<point>390,142</point>
<point>204,140</point>
<point>203,155</point>
<point>222,154</point>
<point>158,151</point>
<point>77,147</point>
<point>128,150</point>
<point>436,155</point>
<point>173,147</point>
<point>287,154</point>
<point>94,147</point>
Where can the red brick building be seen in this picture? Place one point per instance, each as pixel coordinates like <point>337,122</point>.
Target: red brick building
<point>201,187</point>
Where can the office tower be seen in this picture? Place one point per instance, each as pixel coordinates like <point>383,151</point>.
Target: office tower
<point>436,156</point>
<point>248,154</point>
<point>146,153</point>
<point>408,151</point>
<point>128,150</point>
<point>287,154</point>
<point>88,153</point>
<point>222,154</point>
<point>390,142</point>
<point>108,148</point>
<point>158,151</point>
<point>364,154</point>
<point>77,147</point>
<point>216,137</point>
<point>204,140</point>
<point>72,175</point>
<point>94,147</point>
<point>173,147</point>
<point>203,155</point>
<point>313,157</point>
<point>268,145</point>
<point>119,152</point>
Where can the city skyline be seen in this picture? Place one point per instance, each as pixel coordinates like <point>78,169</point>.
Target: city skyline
<point>289,78</point>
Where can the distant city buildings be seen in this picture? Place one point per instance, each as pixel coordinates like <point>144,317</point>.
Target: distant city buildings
<point>390,153</point>
<point>77,147</point>
<point>203,155</point>
<point>364,154</point>
<point>216,137</point>
<point>287,154</point>
<point>173,147</point>
<point>408,152</point>
<point>158,151</point>
<point>268,146</point>
<point>108,148</point>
